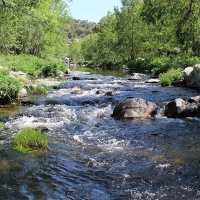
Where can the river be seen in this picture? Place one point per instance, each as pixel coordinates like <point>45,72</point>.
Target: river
<point>92,156</point>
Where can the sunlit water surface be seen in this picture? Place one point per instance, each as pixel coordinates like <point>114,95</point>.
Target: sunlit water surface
<point>93,156</point>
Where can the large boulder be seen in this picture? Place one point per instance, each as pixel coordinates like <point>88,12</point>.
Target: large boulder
<point>134,108</point>
<point>189,77</point>
<point>179,108</point>
<point>192,76</point>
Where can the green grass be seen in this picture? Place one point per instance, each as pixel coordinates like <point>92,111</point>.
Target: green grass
<point>32,65</point>
<point>171,77</point>
<point>2,126</point>
<point>39,90</point>
<point>30,139</point>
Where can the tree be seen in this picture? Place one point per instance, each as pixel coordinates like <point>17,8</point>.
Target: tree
<point>75,51</point>
<point>177,21</point>
<point>129,27</point>
<point>89,47</point>
<point>35,27</point>
<point>107,40</point>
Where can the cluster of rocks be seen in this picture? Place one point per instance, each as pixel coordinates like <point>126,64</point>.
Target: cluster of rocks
<point>177,108</point>
<point>141,108</point>
<point>191,76</point>
<point>139,77</point>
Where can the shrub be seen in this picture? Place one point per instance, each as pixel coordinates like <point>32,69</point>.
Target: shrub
<point>9,87</point>
<point>139,65</point>
<point>30,139</point>
<point>53,68</point>
<point>160,64</point>
<point>173,76</point>
<point>186,60</point>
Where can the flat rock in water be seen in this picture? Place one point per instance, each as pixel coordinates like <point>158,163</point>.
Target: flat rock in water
<point>152,80</point>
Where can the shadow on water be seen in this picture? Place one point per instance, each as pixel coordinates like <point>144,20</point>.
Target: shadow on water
<point>93,156</point>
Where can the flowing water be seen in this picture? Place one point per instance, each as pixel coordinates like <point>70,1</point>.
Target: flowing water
<point>95,157</point>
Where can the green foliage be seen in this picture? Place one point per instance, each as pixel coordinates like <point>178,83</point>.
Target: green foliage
<point>53,68</point>
<point>33,27</point>
<point>39,90</point>
<point>151,28</point>
<point>160,64</point>
<point>173,76</point>
<point>2,126</point>
<point>9,87</point>
<point>138,64</point>
<point>30,139</point>
<point>75,51</point>
<point>185,60</point>
<point>89,47</point>
<point>165,80</point>
<point>32,65</point>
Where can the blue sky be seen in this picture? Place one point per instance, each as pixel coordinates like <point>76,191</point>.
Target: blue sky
<point>91,10</point>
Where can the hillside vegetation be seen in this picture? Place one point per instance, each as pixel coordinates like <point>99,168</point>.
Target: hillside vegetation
<point>143,35</point>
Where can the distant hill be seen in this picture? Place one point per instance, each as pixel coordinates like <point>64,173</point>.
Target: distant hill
<point>79,29</point>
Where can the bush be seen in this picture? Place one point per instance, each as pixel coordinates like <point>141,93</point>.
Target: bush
<point>139,65</point>
<point>173,76</point>
<point>9,87</point>
<point>160,64</point>
<point>30,139</point>
<point>186,60</point>
<point>53,68</point>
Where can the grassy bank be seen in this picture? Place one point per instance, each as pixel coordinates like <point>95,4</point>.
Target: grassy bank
<point>33,66</point>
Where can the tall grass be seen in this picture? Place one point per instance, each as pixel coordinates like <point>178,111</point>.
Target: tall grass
<point>30,139</point>
<point>173,76</point>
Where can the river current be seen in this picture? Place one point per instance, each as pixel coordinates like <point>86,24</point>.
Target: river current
<point>92,156</point>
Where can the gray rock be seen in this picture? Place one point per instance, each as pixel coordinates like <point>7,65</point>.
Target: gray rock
<point>136,76</point>
<point>192,76</point>
<point>194,99</point>
<point>135,108</point>
<point>179,108</point>
<point>189,77</point>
